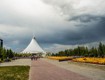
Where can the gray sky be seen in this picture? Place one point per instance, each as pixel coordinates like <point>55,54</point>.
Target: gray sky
<point>56,24</point>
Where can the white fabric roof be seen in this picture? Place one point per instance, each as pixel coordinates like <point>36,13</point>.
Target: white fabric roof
<point>33,47</point>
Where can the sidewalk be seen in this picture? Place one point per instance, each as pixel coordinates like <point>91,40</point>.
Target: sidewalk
<point>18,62</point>
<point>95,73</point>
<point>42,70</point>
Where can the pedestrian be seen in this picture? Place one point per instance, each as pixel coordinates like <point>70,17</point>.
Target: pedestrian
<point>31,57</point>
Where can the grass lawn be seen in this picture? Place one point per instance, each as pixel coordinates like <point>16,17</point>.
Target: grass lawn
<point>14,73</point>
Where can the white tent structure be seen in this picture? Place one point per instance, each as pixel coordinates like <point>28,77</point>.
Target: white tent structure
<point>33,48</point>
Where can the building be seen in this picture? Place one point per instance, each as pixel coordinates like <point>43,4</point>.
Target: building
<point>34,48</point>
<point>1,43</point>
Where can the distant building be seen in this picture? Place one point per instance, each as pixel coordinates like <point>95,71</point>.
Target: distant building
<point>1,43</point>
<point>34,48</point>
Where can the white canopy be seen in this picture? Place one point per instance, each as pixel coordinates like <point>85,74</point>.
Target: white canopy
<point>33,47</point>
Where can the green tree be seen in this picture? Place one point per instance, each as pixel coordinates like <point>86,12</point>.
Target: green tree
<point>0,52</point>
<point>3,53</point>
<point>101,50</point>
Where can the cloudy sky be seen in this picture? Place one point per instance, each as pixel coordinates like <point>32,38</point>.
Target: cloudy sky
<point>56,24</point>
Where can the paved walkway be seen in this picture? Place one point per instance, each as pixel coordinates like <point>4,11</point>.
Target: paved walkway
<point>42,70</point>
<point>18,62</point>
<point>93,71</point>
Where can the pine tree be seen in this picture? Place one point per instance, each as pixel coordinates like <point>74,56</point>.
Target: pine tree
<point>100,50</point>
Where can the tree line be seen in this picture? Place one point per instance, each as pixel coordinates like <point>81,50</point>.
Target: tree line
<point>83,51</point>
<point>9,54</point>
<point>6,53</point>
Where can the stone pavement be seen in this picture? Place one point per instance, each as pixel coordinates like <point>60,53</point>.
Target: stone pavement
<point>93,71</point>
<point>18,62</point>
<point>42,70</point>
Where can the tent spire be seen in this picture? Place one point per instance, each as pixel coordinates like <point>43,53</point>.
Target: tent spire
<point>34,36</point>
<point>33,47</point>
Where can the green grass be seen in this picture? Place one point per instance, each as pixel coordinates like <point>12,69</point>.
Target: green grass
<point>14,73</point>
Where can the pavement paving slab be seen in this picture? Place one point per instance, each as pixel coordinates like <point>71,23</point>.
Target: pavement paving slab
<point>43,70</point>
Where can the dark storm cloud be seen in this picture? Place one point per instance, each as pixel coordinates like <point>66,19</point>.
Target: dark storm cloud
<point>86,18</point>
<point>53,22</point>
<point>86,34</point>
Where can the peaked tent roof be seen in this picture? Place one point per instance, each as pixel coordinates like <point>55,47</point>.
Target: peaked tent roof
<point>33,47</point>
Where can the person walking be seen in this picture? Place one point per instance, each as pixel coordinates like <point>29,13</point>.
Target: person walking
<point>32,57</point>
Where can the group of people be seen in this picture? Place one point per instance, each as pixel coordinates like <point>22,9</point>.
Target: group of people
<point>34,57</point>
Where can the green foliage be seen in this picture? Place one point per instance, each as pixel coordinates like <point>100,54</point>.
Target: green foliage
<point>22,55</point>
<point>48,54</point>
<point>6,53</point>
<point>10,54</point>
<point>101,49</point>
<point>83,51</point>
